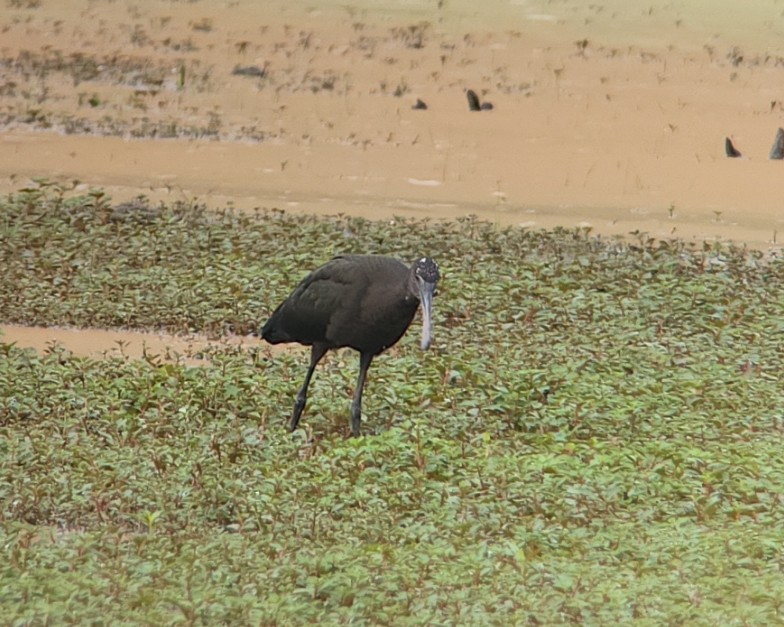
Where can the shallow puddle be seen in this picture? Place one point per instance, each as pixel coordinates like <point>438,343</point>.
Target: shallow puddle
<point>103,343</point>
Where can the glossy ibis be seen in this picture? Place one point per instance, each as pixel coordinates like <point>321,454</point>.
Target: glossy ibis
<point>730,150</point>
<point>475,105</point>
<point>473,101</point>
<point>365,302</point>
<point>777,151</point>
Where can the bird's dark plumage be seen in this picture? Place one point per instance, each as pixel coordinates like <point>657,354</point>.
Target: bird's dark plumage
<point>730,150</point>
<point>473,101</point>
<point>365,302</point>
<point>474,104</point>
<point>777,151</point>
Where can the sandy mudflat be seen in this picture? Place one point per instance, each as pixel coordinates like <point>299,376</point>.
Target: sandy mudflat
<point>609,114</point>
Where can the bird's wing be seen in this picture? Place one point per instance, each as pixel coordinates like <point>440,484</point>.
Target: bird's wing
<point>328,291</point>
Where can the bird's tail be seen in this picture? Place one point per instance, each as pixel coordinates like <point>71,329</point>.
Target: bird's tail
<point>273,332</point>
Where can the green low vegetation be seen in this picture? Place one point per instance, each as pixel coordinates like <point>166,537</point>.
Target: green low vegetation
<point>595,437</point>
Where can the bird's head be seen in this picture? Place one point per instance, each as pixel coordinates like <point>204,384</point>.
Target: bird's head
<point>426,275</point>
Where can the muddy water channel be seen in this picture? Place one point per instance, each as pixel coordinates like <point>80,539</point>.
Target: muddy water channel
<point>101,343</point>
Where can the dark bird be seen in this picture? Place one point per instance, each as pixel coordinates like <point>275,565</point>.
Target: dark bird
<point>365,302</point>
<point>473,101</point>
<point>420,105</point>
<point>730,150</point>
<point>474,104</point>
<point>777,151</point>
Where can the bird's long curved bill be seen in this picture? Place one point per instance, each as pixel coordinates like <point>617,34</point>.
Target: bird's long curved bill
<point>426,302</point>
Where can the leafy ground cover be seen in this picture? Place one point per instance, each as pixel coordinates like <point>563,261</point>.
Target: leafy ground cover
<point>594,437</point>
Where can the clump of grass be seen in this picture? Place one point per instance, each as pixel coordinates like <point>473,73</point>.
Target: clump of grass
<point>594,436</point>
<point>412,36</point>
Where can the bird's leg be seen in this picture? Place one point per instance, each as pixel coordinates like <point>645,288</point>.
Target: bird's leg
<point>317,351</point>
<point>356,406</point>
